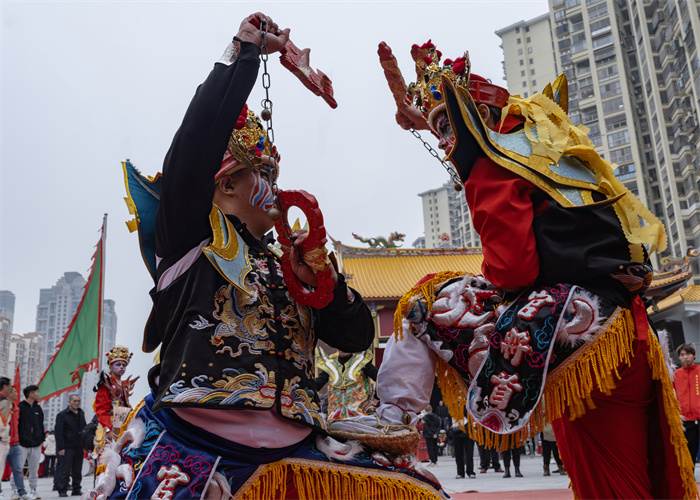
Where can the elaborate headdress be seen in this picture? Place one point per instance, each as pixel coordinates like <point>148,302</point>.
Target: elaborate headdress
<point>248,145</point>
<point>427,92</point>
<point>118,353</point>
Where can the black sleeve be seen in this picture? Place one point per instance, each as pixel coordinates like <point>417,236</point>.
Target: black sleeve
<point>322,380</point>
<point>346,325</point>
<point>196,153</point>
<point>58,433</point>
<point>371,371</point>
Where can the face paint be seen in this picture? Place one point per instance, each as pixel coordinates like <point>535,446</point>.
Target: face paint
<point>118,368</point>
<point>262,195</point>
<point>444,131</point>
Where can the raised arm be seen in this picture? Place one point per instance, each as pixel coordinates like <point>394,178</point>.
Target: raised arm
<point>198,147</point>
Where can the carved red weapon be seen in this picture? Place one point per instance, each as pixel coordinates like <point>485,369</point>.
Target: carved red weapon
<point>393,75</point>
<point>313,249</point>
<point>297,61</point>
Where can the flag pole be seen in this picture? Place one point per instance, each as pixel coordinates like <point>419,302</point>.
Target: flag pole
<point>100,350</point>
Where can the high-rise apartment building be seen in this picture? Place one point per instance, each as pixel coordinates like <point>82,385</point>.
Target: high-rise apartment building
<point>532,64</point>
<point>632,67</point>
<point>5,333</point>
<point>28,351</point>
<point>57,306</point>
<point>446,218</point>
<point>7,306</point>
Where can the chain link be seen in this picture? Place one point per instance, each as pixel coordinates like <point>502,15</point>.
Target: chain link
<point>267,105</point>
<point>450,170</point>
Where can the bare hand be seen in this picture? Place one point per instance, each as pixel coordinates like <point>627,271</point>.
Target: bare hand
<point>111,435</point>
<point>409,117</point>
<point>250,32</point>
<point>301,268</point>
<point>61,452</point>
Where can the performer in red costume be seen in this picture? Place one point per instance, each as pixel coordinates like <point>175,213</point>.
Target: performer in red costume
<point>565,248</point>
<point>112,399</point>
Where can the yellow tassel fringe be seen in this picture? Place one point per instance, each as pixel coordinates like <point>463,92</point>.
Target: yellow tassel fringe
<point>427,289</point>
<point>314,481</point>
<point>570,389</point>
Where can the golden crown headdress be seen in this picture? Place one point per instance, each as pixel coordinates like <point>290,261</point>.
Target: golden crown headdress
<point>427,92</point>
<point>248,144</point>
<point>118,353</point>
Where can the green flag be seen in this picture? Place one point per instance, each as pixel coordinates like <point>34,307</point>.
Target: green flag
<point>78,351</point>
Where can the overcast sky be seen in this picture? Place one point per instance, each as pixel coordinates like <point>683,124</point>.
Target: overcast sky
<point>85,85</point>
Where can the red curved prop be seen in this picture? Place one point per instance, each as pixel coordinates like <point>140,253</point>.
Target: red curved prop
<point>307,203</point>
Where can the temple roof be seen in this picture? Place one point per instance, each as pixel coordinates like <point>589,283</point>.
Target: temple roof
<point>690,294</point>
<point>388,273</point>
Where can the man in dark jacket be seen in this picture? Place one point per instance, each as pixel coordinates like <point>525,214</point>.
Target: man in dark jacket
<point>69,423</point>
<point>431,427</point>
<point>31,434</point>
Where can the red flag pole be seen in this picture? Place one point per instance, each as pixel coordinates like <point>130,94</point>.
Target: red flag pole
<point>17,382</point>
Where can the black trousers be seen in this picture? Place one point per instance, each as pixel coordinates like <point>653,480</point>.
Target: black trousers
<point>70,465</point>
<point>516,458</point>
<point>550,448</point>
<point>691,430</point>
<point>488,455</point>
<point>464,454</point>
<point>431,445</point>
<point>49,466</point>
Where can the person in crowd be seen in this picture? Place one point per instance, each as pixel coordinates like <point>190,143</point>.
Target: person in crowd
<point>686,382</point>
<point>50,455</point>
<point>549,449</point>
<point>431,428</point>
<point>464,450</point>
<point>69,424</point>
<point>10,450</point>
<point>31,435</point>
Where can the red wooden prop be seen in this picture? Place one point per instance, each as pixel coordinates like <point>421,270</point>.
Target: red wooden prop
<point>297,61</point>
<point>323,294</point>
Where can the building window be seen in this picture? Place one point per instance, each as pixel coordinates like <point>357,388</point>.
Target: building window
<point>519,41</point>
<point>529,50</point>
<point>532,61</point>
<point>534,83</point>
<point>520,52</point>
<point>528,39</point>
<point>517,30</point>
<point>522,73</point>
<point>524,84</point>
<point>532,72</point>
<point>522,63</point>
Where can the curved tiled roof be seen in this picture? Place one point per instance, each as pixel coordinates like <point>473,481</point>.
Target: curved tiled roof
<point>388,273</point>
<point>690,294</point>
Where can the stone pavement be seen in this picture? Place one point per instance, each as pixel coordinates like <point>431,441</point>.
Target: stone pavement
<point>488,486</point>
<point>492,485</point>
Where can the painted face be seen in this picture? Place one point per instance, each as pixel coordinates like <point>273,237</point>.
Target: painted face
<point>262,194</point>
<point>444,131</point>
<point>119,367</point>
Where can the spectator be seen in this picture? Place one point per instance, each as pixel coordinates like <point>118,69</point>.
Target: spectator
<point>487,455</point>
<point>549,447</point>
<point>50,454</point>
<point>464,450</point>
<point>444,414</point>
<point>69,423</point>
<point>513,453</point>
<point>431,427</point>
<point>9,437</point>
<point>686,381</point>
<point>31,435</point>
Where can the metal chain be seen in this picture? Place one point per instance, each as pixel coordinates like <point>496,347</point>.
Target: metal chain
<point>450,170</point>
<point>266,103</point>
<point>267,116</point>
